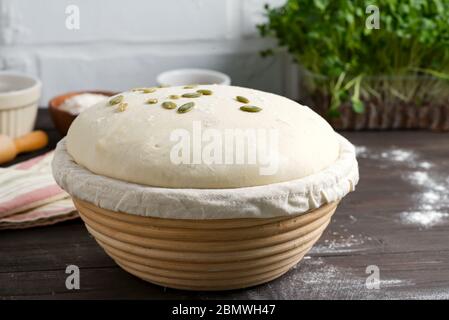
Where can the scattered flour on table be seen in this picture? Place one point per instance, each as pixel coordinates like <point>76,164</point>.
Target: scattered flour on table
<point>319,279</point>
<point>361,151</point>
<point>426,165</point>
<point>410,157</point>
<point>425,219</point>
<point>422,294</point>
<point>423,178</point>
<point>393,154</point>
<point>399,155</point>
<point>432,196</point>
<point>433,201</point>
<point>316,278</point>
<point>341,244</point>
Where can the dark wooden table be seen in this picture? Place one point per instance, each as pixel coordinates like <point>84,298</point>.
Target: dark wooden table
<point>397,222</point>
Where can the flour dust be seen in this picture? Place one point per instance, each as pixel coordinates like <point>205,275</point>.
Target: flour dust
<point>432,195</point>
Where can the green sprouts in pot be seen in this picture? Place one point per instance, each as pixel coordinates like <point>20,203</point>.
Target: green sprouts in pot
<point>406,59</point>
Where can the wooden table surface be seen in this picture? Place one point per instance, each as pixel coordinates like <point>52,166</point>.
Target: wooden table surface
<point>397,222</point>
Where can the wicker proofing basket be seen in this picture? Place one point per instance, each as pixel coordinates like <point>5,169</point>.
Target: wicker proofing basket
<point>205,254</point>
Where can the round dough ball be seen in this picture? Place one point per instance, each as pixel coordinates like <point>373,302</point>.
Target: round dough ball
<point>214,145</point>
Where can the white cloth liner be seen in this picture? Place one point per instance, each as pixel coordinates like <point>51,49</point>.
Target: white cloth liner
<point>273,200</point>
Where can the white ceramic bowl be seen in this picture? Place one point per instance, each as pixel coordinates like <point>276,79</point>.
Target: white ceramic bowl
<point>19,96</point>
<point>181,77</point>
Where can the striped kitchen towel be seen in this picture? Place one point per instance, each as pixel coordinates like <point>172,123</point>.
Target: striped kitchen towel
<point>29,196</point>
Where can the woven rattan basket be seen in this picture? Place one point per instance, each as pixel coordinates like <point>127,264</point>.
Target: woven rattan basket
<point>205,254</point>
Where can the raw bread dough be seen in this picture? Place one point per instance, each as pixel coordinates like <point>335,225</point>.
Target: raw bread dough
<point>137,145</point>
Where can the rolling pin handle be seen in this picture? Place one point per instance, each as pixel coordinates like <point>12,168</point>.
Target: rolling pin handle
<point>31,141</point>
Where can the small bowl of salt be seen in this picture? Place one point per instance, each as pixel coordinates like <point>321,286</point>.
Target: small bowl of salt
<point>66,107</point>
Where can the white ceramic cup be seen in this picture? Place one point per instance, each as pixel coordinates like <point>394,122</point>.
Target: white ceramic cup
<point>179,77</point>
<point>19,97</point>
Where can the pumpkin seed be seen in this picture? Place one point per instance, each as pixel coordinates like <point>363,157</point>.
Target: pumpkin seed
<point>205,92</point>
<point>148,90</point>
<point>186,107</point>
<point>190,86</point>
<point>151,101</point>
<point>116,100</point>
<point>169,105</point>
<point>250,109</point>
<point>144,90</point>
<point>242,99</point>
<point>173,96</point>
<point>122,107</point>
<point>191,95</point>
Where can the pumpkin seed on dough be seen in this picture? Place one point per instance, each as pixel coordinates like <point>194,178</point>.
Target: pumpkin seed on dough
<point>250,109</point>
<point>137,89</point>
<point>205,92</point>
<point>242,99</point>
<point>169,105</point>
<point>186,107</point>
<point>151,101</point>
<point>116,100</point>
<point>192,95</point>
<point>149,90</point>
<point>144,90</point>
<point>122,107</point>
<point>173,96</point>
<point>190,86</point>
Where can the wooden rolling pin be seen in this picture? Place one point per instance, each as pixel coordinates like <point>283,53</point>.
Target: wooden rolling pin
<point>10,148</point>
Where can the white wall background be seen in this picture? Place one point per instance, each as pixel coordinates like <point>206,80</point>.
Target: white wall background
<point>124,44</point>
